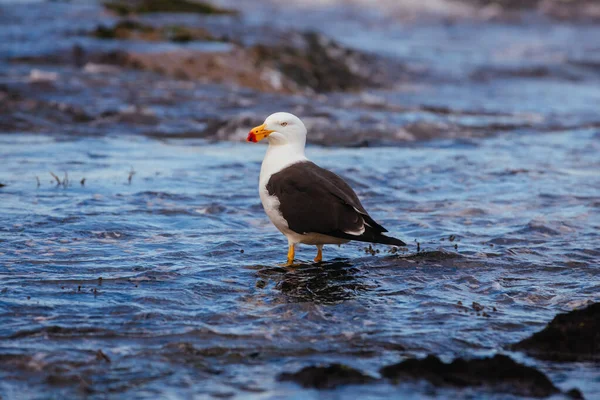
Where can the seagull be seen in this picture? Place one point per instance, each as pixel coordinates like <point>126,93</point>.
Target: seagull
<point>307,203</point>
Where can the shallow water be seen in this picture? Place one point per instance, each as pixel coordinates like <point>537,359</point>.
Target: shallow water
<point>164,260</point>
<point>152,271</point>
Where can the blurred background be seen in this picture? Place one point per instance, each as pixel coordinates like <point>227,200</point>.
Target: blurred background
<point>135,257</point>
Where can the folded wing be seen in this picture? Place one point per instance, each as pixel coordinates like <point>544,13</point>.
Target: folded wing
<point>315,200</point>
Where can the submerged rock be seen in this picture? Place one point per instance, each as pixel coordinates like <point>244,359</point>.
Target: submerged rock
<point>327,377</point>
<point>500,373</point>
<point>573,336</point>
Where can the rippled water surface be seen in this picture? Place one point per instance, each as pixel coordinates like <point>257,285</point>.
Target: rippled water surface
<point>151,270</point>
<point>176,275</point>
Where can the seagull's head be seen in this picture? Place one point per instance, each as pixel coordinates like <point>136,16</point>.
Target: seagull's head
<point>280,128</point>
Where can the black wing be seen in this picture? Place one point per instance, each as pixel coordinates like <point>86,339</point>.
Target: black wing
<point>315,200</point>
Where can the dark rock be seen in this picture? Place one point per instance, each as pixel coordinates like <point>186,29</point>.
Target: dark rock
<point>574,10</point>
<point>235,67</point>
<point>232,128</point>
<point>306,62</point>
<point>500,373</point>
<point>114,57</point>
<point>507,4</point>
<point>434,255</point>
<point>126,7</point>
<point>131,29</point>
<point>574,394</point>
<point>54,331</point>
<point>183,34</point>
<point>122,30</point>
<point>327,377</point>
<point>319,63</point>
<point>101,356</point>
<point>574,336</point>
<point>299,63</point>
<point>21,113</point>
<point>568,10</point>
<point>489,73</point>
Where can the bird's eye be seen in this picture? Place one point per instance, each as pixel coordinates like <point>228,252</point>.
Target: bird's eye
<point>284,124</point>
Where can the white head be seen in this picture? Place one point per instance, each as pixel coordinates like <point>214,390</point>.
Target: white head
<point>281,129</point>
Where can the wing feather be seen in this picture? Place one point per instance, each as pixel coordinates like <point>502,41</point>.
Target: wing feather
<point>315,200</point>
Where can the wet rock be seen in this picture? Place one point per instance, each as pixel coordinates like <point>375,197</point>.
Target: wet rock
<point>573,336</point>
<point>233,67</point>
<point>325,283</point>
<point>500,373</point>
<point>58,331</point>
<point>296,63</point>
<point>568,10</point>
<point>574,394</point>
<point>101,356</point>
<point>115,57</point>
<point>183,34</point>
<point>234,128</point>
<point>326,377</point>
<point>317,62</point>
<point>133,115</point>
<point>303,62</point>
<point>314,64</point>
<point>22,113</point>
<point>506,4</point>
<point>329,131</point>
<point>529,72</point>
<point>76,56</point>
<point>125,29</point>
<point>434,255</point>
<point>574,10</point>
<point>131,29</point>
<point>126,7</point>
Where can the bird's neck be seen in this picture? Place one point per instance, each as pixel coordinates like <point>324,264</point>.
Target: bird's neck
<point>280,156</point>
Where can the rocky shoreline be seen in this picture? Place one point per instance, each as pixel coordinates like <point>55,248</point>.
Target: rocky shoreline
<point>569,337</point>
<point>154,65</point>
<point>500,374</point>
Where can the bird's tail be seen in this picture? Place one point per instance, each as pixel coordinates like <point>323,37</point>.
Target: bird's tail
<point>392,241</point>
<point>370,236</point>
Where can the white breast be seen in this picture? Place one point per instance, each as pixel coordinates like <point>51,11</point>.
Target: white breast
<point>277,158</point>
<point>271,206</point>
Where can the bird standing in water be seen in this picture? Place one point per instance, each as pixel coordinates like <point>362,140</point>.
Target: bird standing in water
<point>307,203</point>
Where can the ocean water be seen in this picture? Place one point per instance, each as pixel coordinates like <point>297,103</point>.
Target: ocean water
<point>147,267</point>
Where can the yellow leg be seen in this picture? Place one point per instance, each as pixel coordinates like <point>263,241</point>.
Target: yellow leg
<point>319,256</point>
<point>291,252</point>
